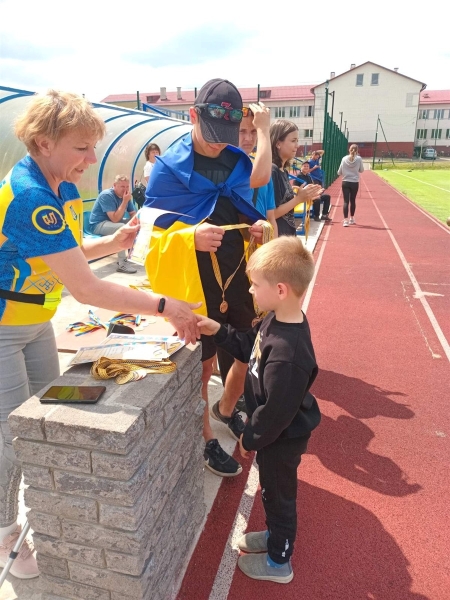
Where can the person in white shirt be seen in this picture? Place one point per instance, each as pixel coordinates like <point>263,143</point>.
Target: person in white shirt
<point>151,151</point>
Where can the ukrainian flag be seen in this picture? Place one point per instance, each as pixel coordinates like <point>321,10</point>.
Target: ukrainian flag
<point>171,263</point>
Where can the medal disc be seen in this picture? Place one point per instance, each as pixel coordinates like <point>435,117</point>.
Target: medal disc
<point>223,307</point>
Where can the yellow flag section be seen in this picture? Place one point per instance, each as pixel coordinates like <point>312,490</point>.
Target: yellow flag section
<point>171,263</point>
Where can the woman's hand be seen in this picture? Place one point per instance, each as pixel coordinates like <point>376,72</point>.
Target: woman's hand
<point>207,326</point>
<point>208,237</point>
<point>309,192</point>
<point>124,237</point>
<point>180,315</point>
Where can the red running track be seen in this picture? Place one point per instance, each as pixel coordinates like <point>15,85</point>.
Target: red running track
<point>374,492</point>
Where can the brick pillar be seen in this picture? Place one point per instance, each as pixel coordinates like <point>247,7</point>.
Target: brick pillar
<point>115,489</point>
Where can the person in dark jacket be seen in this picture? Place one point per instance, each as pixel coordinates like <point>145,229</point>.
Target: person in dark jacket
<point>325,199</point>
<point>282,411</point>
<point>284,142</point>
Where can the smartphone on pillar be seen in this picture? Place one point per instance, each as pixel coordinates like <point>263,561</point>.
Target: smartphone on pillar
<point>73,394</point>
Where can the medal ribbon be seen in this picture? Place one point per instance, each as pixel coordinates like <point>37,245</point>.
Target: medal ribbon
<point>267,236</point>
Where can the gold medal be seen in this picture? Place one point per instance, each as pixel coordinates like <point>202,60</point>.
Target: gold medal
<point>223,307</point>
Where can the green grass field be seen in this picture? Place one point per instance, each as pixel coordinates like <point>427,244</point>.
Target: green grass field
<point>428,189</point>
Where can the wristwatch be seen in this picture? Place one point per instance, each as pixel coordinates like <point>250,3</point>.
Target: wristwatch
<point>161,306</point>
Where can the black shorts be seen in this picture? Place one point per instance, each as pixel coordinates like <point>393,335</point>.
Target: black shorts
<point>240,315</point>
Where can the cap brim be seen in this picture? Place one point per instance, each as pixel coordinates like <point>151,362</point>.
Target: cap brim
<point>220,132</point>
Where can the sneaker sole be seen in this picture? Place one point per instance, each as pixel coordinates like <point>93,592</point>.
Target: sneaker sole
<point>286,579</point>
<point>220,474</point>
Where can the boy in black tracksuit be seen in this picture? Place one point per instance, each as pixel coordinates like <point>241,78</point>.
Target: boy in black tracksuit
<point>282,412</point>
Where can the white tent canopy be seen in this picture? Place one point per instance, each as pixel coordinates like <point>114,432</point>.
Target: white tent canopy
<point>120,152</point>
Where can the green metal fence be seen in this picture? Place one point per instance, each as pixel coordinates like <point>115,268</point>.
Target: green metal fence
<point>335,145</point>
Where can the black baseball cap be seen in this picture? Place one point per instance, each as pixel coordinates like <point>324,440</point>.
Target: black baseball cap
<point>223,93</point>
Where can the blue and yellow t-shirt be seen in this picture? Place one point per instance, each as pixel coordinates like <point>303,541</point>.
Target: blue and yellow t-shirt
<point>34,222</point>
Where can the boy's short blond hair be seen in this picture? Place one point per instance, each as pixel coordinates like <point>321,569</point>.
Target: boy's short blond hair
<point>55,114</point>
<point>284,260</point>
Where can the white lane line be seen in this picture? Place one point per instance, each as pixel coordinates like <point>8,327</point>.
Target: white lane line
<point>228,562</point>
<point>309,291</point>
<point>227,567</point>
<point>420,181</point>
<point>418,291</point>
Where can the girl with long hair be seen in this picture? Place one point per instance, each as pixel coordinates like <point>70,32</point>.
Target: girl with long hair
<point>350,168</point>
<point>284,142</point>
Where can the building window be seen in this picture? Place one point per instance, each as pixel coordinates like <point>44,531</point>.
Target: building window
<point>264,93</point>
<point>375,77</point>
<point>447,134</point>
<point>308,133</point>
<point>436,134</point>
<point>439,113</point>
<point>422,134</point>
<point>279,112</point>
<point>294,111</point>
<point>360,79</point>
<point>424,114</point>
<point>309,111</point>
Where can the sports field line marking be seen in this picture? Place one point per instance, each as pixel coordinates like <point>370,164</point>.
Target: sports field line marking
<point>227,567</point>
<point>309,291</point>
<point>228,562</point>
<point>420,294</point>
<point>420,181</point>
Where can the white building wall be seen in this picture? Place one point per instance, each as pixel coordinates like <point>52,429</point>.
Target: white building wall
<point>394,99</point>
<point>300,112</point>
<point>430,119</point>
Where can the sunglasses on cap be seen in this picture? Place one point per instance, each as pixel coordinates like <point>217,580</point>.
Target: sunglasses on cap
<point>247,112</point>
<point>219,112</point>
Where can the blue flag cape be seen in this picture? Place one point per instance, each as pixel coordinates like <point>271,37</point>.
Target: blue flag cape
<point>175,186</point>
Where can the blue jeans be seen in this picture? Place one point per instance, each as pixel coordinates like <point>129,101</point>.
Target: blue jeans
<point>28,362</point>
<point>108,228</point>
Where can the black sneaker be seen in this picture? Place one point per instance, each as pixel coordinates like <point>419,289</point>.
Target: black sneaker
<point>316,218</point>
<point>235,423</point>
<point>219,462</point>
<point>241,406</point>
<point>325,218</point>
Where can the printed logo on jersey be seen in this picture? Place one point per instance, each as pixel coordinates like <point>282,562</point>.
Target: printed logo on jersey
<point>48,219</point>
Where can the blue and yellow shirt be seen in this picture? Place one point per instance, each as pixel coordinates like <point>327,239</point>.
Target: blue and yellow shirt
<point>34,222</point>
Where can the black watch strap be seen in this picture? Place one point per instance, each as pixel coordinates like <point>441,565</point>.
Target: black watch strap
<point>161,306</point>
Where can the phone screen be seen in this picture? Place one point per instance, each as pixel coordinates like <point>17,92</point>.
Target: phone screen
<point>76,394</point>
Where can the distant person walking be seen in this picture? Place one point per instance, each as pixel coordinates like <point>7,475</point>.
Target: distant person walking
<point>350,168</point>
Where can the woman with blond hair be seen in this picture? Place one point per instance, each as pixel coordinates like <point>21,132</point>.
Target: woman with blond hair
<point>350,168</point>
<point>284,142</point>
<point>41,251</point>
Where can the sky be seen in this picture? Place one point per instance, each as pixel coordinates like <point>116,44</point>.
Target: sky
<point>99,47</point>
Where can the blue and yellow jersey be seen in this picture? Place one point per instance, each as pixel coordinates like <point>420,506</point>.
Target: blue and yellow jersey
<point>34,222</point>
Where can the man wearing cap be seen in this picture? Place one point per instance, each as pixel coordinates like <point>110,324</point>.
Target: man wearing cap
<point>206,177</point>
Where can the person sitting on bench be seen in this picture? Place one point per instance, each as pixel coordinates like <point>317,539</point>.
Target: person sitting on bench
<point>304,176</point>
<point>107,216</point>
